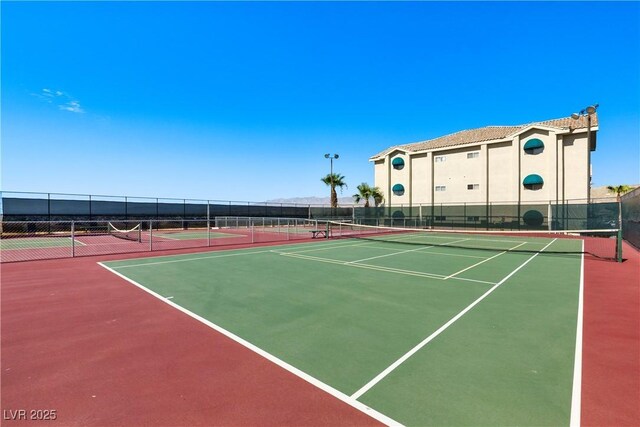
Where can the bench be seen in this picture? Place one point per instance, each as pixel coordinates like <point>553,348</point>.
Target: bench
<point>318,233</point>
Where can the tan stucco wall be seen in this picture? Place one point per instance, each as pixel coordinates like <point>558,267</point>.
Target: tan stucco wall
<point>575,166</point>
<point>456,173</point>
<point>499,171</point>
<point>399,176</point>
<point>502,182</point>
<point>380,177</point>
<point>541,164</point>
<point>421,178</point>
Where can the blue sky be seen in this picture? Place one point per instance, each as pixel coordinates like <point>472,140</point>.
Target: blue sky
<point>240,101</point>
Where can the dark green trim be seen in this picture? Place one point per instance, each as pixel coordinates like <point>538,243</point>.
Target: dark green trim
<point>533,144</point>
<point>533,179</point>
<point>398,188</point>
<point>397,163</point>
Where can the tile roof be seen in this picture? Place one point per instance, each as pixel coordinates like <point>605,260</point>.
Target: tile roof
<point>488,133</point>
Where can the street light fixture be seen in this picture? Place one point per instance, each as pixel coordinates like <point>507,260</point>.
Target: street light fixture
<point>588,112</point>
<point>331,157</point>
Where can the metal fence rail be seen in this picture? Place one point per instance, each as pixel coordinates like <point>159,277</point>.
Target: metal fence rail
<point>33,240</point>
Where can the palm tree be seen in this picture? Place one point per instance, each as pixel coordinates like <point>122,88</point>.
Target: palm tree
<point>377,195</point>
<point>619,190</point>
<point>365,192</point>
<point>334,180</point>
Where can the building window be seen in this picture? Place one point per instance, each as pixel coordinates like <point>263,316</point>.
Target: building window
<point>534,146</point>
<point>473,155</point>
<point>397,163</point>
<point>473,186</point>
<point>533,182</point>
<point>398,189</point>
<point>441,188</point>
<point>440,159</point>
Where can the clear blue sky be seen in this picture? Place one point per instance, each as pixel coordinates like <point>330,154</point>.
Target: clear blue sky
<point>239,101</point>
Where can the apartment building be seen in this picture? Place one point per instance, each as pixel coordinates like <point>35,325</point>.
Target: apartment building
<point>547,161</point>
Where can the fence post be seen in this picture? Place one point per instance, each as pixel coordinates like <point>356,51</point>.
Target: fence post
<point>619,244</point>
<point>464,215</point>
<point>73,239</point>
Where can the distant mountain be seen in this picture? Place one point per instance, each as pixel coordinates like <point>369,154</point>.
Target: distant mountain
<point>312,200</point>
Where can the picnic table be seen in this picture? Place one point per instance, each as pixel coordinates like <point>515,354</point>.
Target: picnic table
<point>318,233</point>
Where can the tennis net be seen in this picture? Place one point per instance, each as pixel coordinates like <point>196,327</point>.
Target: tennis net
<point>133,234</point>
<point>601,244</point>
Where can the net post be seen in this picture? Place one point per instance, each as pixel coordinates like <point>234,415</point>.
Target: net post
<point>619,245</point>
<point>150,235</point>
<point>73,239</point>
<point>253,239</point>
<point>326,234</point>
<point>208,230</point>
<point>140,232</point>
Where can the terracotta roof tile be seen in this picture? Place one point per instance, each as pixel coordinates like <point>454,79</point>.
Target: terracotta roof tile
<point>488,133</point>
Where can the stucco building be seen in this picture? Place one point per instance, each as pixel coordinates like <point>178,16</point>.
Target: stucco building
<point>541,162</point>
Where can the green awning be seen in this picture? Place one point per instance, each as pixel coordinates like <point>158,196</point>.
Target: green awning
<point>533,179</point>
<point>398,188</point>
<point>398,162</point>
<point>533,143</point>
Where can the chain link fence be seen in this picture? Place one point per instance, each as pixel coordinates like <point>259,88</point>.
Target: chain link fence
<point>631,217</point>
<point>33,240</point>
<point>577,215</point>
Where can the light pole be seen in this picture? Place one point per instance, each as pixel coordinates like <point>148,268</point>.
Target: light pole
<point>331,157</point>
<point>588,111</point>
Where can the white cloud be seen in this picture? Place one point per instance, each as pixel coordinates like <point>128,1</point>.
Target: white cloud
<point>63,100</point>
<point>73,106</point>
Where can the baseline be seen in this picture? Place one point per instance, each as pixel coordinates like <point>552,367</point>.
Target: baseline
<point>312,380</point>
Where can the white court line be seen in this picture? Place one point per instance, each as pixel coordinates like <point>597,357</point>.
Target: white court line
<point>458,255</point>
<point>322,248</point>
<point>483,261</point>
<point>576,395</point>
<point>77,242</point>
<point>218,255</point>
<point>441,329</point>
<point>303,375</point>
<point>380,268</point>
<point>403,252</point>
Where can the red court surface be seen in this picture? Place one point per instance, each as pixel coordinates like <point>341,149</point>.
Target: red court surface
<point>78,340</point>
<point>611,349</point>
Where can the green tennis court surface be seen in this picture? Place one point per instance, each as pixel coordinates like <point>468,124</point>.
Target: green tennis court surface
<point>36,242</point>
<point>423,330</point>
<point>192,235</point>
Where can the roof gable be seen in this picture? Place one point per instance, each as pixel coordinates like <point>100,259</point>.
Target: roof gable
<point>490,133</point>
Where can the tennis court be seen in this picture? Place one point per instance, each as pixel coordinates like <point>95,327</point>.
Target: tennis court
<point>422,328</point>
<point>37,243</point>
<point>193,235</point>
